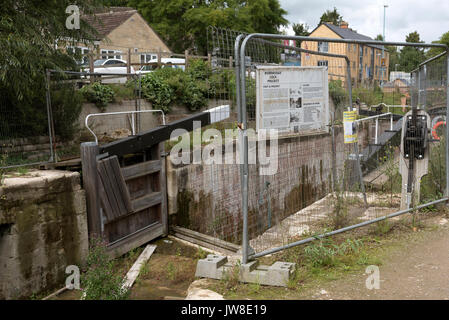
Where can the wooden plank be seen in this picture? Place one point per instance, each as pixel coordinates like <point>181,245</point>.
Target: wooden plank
<point>203,244</point>
<point>206,239</point>
<point>147,201</point>
<point>133,273</point>
<point>141,169</point>
<point>89,152</point>
<point>105,204</point>
<point>163,189</point>
<point>115,185</point>
<point>121,183</point>
<point>109,193</point>
<point>136,240</point>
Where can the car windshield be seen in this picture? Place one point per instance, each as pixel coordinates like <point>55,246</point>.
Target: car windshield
<point>99,62</point>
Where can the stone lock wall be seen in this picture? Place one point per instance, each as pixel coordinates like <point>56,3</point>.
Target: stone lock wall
<point>43,229</point>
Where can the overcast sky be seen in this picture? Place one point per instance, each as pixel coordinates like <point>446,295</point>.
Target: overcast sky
<point>429,17</point>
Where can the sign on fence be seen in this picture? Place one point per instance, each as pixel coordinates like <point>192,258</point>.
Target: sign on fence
<point>292,98</point>
<point>350,130</point>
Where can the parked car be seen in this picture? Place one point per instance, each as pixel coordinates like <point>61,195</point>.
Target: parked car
<point>112,66</point>
<point>167,63</point>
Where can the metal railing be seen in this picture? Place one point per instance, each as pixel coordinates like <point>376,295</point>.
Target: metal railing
<point>241,43</point>
<point>377,122</point>
<point>133,125</point>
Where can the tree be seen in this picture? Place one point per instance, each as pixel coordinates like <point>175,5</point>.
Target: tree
<point>444,39</point>
<point>301,29</point>
<point>379,37</point>
<point>29,32</point>
<point>411,57</point>
<point>183,23</point>
<point>331,16</point>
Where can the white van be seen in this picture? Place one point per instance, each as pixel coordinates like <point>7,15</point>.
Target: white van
<point>167,63</point>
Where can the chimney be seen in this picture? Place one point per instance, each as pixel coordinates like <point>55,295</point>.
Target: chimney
<point>344,25</point>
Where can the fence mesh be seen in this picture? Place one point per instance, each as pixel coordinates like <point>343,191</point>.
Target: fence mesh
<point>317,187</point>
<point>24,129</point>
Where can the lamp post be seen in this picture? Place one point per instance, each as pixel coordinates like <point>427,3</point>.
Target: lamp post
<point>383,55</point>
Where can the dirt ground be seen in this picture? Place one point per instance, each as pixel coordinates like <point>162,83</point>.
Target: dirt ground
<point>417,268</point>
<point>413,264</point>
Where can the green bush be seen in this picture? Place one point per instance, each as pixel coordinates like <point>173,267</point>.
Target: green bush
<point>99,94</point>
<point>157,90</point>
<point>194,97</point>
<point>167,86</point>
<point>101,281</point>
<point>199,69</point>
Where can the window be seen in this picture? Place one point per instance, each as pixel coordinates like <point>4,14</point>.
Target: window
<point>111,54</point>
<point>323,46</point>
<point>81,54</point>
<point>146,57</point>
<point>322,63</point>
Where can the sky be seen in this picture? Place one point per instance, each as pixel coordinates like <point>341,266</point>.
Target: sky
<point>429,17</point>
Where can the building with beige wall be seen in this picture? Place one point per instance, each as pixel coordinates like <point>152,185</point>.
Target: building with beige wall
<point>365,60</point>
<point>121,29</point>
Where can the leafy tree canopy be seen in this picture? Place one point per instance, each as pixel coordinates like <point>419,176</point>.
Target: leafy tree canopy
<point>444,39</point>
<point>301,29</point>
<point>411,57</point>
<point>29,31</point>
<point>183,23</point>
<point>331,16</point>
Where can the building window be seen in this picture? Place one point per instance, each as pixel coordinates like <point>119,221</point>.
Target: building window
<point>322,63</point>
<point>81,54</point>
<point>146,57</point>
<point>111,54</point>
<point>323,46</point>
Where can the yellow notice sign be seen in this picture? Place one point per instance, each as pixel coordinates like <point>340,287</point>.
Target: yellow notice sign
<point>349,126</point>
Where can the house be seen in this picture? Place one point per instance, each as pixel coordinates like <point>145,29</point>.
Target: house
<point>406,76</point>
<point>397,85</point>
<point>120,29</point>
<point>365,60</point>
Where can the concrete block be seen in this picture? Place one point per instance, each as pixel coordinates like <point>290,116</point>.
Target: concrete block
<point>211,267</point>
<point>279,273</point>
<point>216,267</point>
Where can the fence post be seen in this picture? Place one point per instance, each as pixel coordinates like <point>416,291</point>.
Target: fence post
<point>186,53</point>
<point>128,63</point>
<point>447,125</point>
<point>377,130</point>
<point>91,68</point>
<point>159,58</point>
<point>209,59</point>
<point>89,152</point>
<point>230,62</point>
